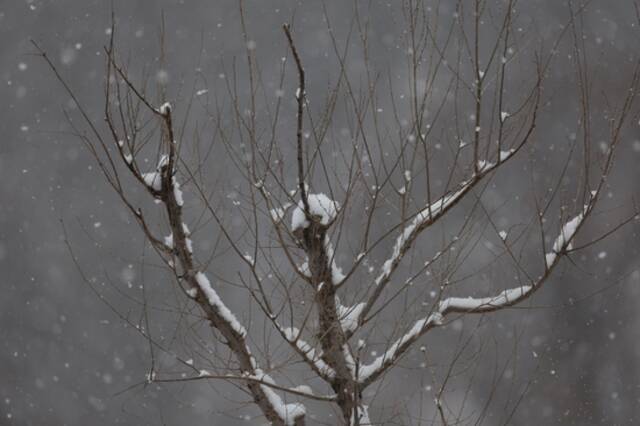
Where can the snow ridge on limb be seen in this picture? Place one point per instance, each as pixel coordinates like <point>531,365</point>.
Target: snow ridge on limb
<point>212,297</point>
<point>235,333</point>
<point>312,356</point>
<point>289,413</point>
<point>431,213</point>
<point>349,315</point>
<point>423,219</point>
<point>563,241</point>
<point>466,304</point>
<point>370,372</point>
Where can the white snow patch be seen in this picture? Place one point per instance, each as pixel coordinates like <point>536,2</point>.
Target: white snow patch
<point>563,240</point>
<point>277,213</point>
<point>165,108</point>
<point>348,315</point>
<point>163,161</point>
<point>470,303</point>
<point>304,269</point>
<point>336,272</point>
<point>506,154</point>
<point>287,412</point>
<point>319,205</point>
<point>153,180</point>
<point>549,258</point>
<point>177,193</point>
<point>303,389</point>
<point>215,301</point>
<point>421,217</point>
<point>362,413</point>
<point>366,371</point>
<point>484,164</point>
<point>315,356</point>
<point>168,241</point>
<point>351,363</point>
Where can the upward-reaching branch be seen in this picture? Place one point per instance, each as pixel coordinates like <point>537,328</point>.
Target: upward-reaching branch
<point>300,98</point>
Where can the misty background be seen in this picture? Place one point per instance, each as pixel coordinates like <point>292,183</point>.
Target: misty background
<point>66,359</point>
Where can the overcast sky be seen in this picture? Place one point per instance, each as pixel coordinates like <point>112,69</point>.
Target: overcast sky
<point>65,358</point>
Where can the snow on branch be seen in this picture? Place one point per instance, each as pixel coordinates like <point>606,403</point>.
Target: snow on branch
<point>563,241</point>
<point>482,304</point>
<point>421,220</point>
<point>177,192</point>
<point>368,373</point>
<point>289,413</point>
<point>165,108</point>
<point>348,315</point>
<point>217,312</point>
<point>278,213</point>
<point>311,355</point>
<point>153,179</point>
<point>431,212</point>
<point>215,301</point>
<point>361,413</point>
<point>320,206</point>
<point>411,231</point>
<point>337,276</point>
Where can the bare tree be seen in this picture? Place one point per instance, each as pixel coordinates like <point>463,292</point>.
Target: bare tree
<point>334,204</point>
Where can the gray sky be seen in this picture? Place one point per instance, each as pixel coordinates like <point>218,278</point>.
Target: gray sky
<point>65,358</point>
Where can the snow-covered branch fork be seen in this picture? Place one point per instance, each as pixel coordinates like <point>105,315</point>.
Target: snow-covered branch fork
<point>378,199</point>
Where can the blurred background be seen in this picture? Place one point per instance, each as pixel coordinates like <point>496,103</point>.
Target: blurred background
<point>67,359</point>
